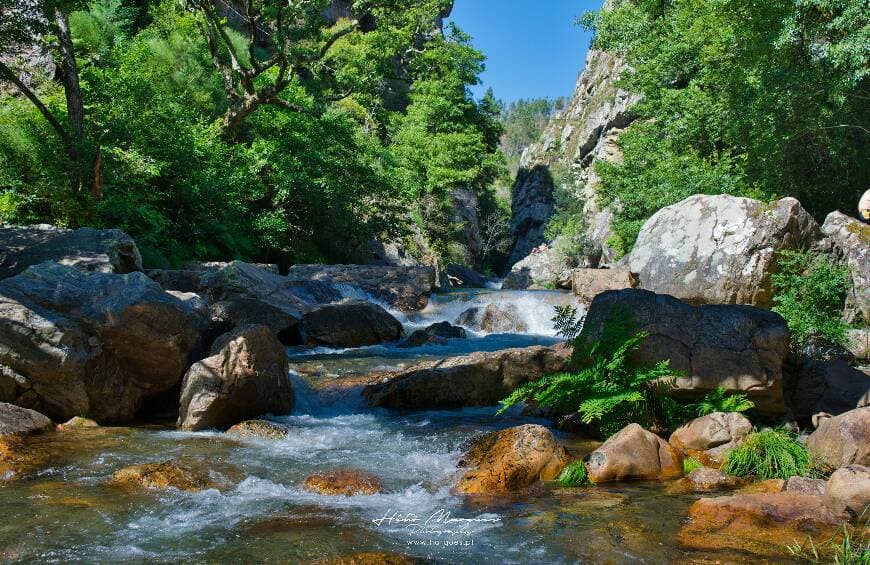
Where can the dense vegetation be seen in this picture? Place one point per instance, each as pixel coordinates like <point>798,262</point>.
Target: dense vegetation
<point>270,132</point>
<point>755,98</point>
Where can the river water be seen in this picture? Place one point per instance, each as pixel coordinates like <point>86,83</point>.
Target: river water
<point>63,510</point>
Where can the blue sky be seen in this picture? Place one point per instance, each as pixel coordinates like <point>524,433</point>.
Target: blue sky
<point>533,48</point>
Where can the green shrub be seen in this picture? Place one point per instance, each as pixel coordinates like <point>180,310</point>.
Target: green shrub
<point>575,475</point>
<point>769,454</point>
<point>606,388</point>
<point>809,292</point>
<point>718,401</point>
<point>690,464</point>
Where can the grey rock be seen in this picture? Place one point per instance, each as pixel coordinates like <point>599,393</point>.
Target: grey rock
<point>852,239</point>
<point>719,249</point>
<point>544,267</point>
<point>434,334</point>
<point>739,348</point>
<point>349,324</point>
<point>15,420</point>
<point>88,249</point>
<point>493,318</point>
<point>463,277</point>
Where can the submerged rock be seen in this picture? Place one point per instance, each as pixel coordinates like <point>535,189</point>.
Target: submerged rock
<point>739,348</point>
<point>167,474</point>
<point>719,249</point>
<point>246,376</point>
<point>437,334</point>
<point>347,482</point>
<point>15,420</point>
<point>87,249</point>
<point>634,454</point>
<point>493,318</point>
<point>94,344</point>
<point>841,440</point>
<point>349,324</point>
<point>511,460</point>
<point>705,479</point>
<point>259,428</point>
<point>479,379</point>
<point>709,437</point>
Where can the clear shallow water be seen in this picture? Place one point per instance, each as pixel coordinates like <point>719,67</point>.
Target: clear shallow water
<point>62,510</point>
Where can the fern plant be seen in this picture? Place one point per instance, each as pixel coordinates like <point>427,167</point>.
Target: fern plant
<point>566,323</point>
<point>719,401</point>
<point>606,388</point>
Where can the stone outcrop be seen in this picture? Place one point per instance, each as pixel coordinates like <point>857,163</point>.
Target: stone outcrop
<point>493,318</point>
<point>346,482</point>
<point>589,283</point>
<point>719,249</point>
<point>92,344</point>
<point>404,288</point>
<point>852,239</point>
<point>544,267</point>
<point>831,386</point>
<point>263,429</point>
<point>739,348</point>
<point>349,324</point>
<point>842,440</point>
<point>435,334</point>
<point>15,420</point>
<point>246,376</point>
<point>847,493</point>
<point>87,249</point>
<point>709,437</point>
<point>634,454</point>
<point>511,460</point>
<point>479,379</point>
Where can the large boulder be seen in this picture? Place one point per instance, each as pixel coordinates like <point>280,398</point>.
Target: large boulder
<point>589,283</point>
<point>852,239</point>
<point>462,277</point>
<point>634,454</point>
<point>709,437</point>
<point>847,493</point>
<point>719,249</point>
<point>93,344</point>
<point>246,376</point>
<point>841,440</point>
<point>349,324</point>
<point>479,379</point>
<point>15,420</point>
<point>502,317</point>
<point>404,288</point>
<point>88,249</point>
<point>832,387</point>
<point>544,267</point>
<point>512,459</point>
<point>739,348</point>
<point>434,334</point>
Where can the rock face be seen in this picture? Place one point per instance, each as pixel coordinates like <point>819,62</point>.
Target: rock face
<point>405,288</point>
<point>493,318</point>
<point>852,237</point>
<point>833,387</point>
<point>842,440</point>
<point>847,494</point>
<point>93,344</point>
<point>349,324</point>
<point>542,268</point>
<point>479,379</point>
<point>88,249</point>
<point>15,420</point>
<point>167,474</point>
<point>347,482</point>
<point>709,437</point>
<point>437,334</point>
<point>589,283</point>
<point>512,459</point>
<point>719,249</point>
<point>585,132</point>
<point>246,376</point>
<point>740,348</point>
<point>634,454</point>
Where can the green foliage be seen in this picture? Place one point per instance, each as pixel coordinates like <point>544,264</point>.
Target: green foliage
<point>690,464</point>
<point>575,475</point>
<point>755,98</point>
<point>606,388</point>
<point>809,292</point>
<point>720,401</point>
<point>769,454</point>
<point>845,547</point>
<point>565,322</point>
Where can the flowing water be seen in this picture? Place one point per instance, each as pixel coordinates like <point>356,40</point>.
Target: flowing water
<point>62,510</point>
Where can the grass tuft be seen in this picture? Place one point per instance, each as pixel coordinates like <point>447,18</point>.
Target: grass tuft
<point>769,454</point>
<point>575,475</point>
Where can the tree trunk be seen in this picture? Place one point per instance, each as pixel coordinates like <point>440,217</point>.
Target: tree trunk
<point>70,76</point>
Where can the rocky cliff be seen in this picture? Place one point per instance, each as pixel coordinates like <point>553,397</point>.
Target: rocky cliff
<point>584,132</point>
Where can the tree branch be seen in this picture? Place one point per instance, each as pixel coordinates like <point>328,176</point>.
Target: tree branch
<point>281,103</point>
<point>324,49</point>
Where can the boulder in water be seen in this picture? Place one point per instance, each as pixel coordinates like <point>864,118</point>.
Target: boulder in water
<point>167,474</point>
<point>246,376</point>
<point>710,437</point>
<point>15,420</point>
<point>511,460</point>
<point>78,423</point>
<point>259,428</point>
<point>437,334</point>
<point>502,317</point>
<point>842,440</point>
<point>347,482</point>
<point>349,324</point>
<point>634,454</point>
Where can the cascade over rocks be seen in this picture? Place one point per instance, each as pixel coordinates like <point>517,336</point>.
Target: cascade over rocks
<point>94,344</point>
<point>852,239</point>
<point>349,324</point>
<point>634,454</point>
<point>511,460</point>
<point>842,440</point>
<point>87,249</point>
<point>479,379</point>
<point>709,437</point>
<point>246,376</point>
<point>719,249</point>
<point>739,348</point>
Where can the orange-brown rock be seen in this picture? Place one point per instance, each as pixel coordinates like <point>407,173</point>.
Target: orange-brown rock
<point>634,454</point>
<point>512,459</point>
<point>369,558</point>
<point>167,474</point>
<point>259,428</point>
<point>709,437</point>
<point>847,493</point>
<point>759,523</point>
<point>842,440</point>
<point>347,482</point>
